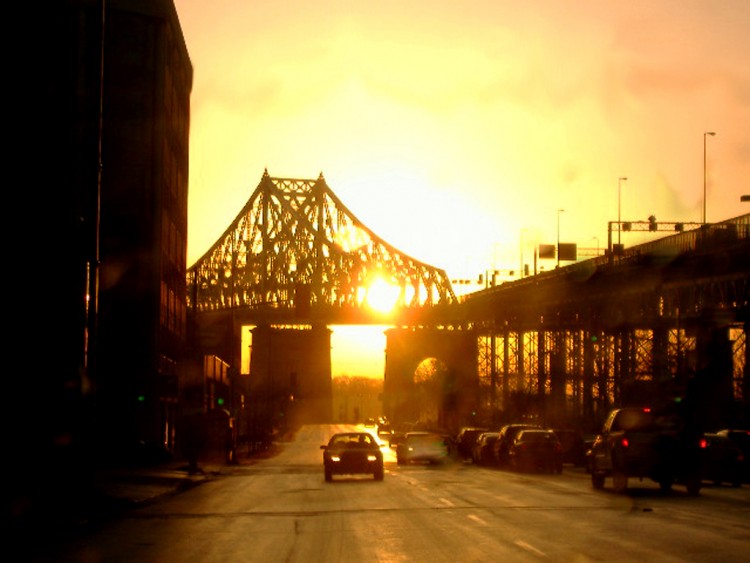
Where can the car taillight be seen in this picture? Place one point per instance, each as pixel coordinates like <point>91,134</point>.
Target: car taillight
<point>703,443</point>
<point>624,442</point>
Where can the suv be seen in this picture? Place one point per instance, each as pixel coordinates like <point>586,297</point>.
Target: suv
<point>638,442</point>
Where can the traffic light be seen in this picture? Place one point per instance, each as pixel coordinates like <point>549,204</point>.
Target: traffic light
<point>652,226</point>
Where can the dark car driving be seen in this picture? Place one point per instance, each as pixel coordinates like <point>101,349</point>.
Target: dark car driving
<point>351,453</point>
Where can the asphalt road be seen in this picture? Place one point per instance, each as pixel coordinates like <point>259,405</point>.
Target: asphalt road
<point>281,510</point>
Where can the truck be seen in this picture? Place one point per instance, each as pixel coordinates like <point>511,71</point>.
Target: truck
<point>640,442</point>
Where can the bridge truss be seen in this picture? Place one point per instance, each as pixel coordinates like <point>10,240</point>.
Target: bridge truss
<point>295,253</point>
<point>642,325</point>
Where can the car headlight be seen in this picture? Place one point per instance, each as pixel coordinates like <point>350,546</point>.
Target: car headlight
<point>335,458</point>
<point>371,457</point>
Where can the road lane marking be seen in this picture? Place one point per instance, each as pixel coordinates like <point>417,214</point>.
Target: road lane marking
<point>476,519</point>
<point>446,502</point>
<point>522,544</point>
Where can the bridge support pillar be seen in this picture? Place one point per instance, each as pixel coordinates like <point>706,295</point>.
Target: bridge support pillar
<point>290,375</point>
<point>457,386</point>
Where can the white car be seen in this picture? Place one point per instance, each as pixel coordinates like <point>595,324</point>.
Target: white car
<point>429,447</point>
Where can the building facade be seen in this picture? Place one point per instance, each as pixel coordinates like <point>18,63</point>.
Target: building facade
<point>107,161</point>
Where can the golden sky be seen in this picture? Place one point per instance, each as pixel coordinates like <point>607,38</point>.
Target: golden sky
<point>456,130</point>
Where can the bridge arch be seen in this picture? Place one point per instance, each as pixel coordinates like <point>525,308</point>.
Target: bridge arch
<point>455,379</point>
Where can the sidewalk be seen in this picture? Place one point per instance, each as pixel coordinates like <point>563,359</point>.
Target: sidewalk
<point>110,492</point>
<point>130,487</point>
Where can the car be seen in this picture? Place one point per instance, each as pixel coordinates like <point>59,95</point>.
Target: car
<point>508,433</point>
<point>573,446</point>
<point>423,446</point>
<point>740,437</point>
<point>465,440</point>
<point>352,453</point>
<point>722,460</point>
<point>536,450</point>
<point>641,442</point>
<point>481,452</point>
<point>370,423</point>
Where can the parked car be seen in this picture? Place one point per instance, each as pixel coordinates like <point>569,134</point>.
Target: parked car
<point>481,452</point>
<point>640,442</point>
<point>422,446</point>
<point>536,450</point>
<point>506,436</point>
<point>465,440</point>
<point>351,453</point>
<point>722,460</point>
<point>741,438</point>
<point>573,446</point>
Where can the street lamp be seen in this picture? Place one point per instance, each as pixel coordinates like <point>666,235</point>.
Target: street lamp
<point>558,236</point>
<point>704,172</point>
<point>619,205</point>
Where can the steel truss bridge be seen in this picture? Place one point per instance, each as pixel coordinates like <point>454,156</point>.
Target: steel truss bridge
<point>296,254</point>
<point>661,321</point>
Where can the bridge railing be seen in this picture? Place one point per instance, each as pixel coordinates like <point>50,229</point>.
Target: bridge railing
<point>706,238</point>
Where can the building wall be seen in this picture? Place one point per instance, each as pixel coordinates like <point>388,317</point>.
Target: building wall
<point>117,240</point>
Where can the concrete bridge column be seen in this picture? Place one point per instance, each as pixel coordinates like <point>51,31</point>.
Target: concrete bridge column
<point>290,375</point>
<point>457,385</point>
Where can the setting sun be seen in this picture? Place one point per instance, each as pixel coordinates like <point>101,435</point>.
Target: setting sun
<point>382,296</point>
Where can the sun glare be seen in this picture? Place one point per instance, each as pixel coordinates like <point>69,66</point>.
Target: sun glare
<point>382,296</point>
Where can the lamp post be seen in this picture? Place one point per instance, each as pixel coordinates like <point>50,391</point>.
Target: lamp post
<point>712,133</point>
<point>619,205</point>
<point>558,236</point>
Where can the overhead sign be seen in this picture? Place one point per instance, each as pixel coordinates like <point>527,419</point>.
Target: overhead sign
<point>568,251</point>
<point>546,251</point>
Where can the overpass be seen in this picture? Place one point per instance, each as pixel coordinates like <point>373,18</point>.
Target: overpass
<point>647,323</point>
